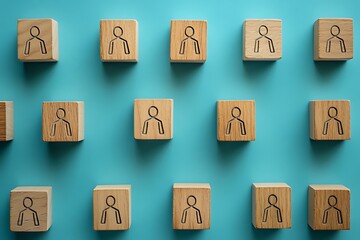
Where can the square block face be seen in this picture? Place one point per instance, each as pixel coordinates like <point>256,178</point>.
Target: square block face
<point>191,206</point>
<point>112,207</point>
<point>236,120</point>
<point>38,40</point>
<point>330,120</point>
<point>262,40</point>
<point>333,39</point>
<point>153,119</point>
<point>6,121</point>
<point>30,209</point>
<point>63,121</point>
<point>271,205</point>
<point>119,40</point>
<point>329,207</point>
<point>188,41</point>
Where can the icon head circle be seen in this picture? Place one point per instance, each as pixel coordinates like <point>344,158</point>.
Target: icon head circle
<point>153,111</point>
<point>27,202</point>
<point>332,112</point>
<point>60,113</point>
<point>118,31</point>
<point>263,30</point>
<point>189,31</point>
<point>272,199</point>
<point>236,112</point>
<point>110,201</point>
<point>191,200</point>
<point>332,200</point>
<point>335,30</point>
<point>34,31</point>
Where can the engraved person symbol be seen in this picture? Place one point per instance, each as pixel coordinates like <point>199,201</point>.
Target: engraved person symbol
<point>272,200</point>
<point>189,41</point>
<point>110,209</point>
<point>191,202</point>
<point>153,112</point>
<point>60,122</point>
<point>264,39</point>
<point>28,211</point>
<point>332,201</point>
<point>332,113</point>
<point>335,31</point>
<point>235,113</point>
<point>118,32</point>
<point>35,32</point>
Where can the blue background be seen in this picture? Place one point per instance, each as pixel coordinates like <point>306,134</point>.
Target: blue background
<point>282,151</point>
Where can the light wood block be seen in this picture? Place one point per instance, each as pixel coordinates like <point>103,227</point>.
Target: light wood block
<point>119,40</point>
<point>330,120</point>
<point>38,40</point>
<point>153,119</point>
<point>236,120</point>
<point>262,40</point>
<point>271,205</point>
<point>63,121</point>
<point>112,207</point>
<point>329,207</point>
<point>6,121</point>
<point>191,206</point>
<point>188,41</point>
<point>333,39</point>
<point>30,209</point>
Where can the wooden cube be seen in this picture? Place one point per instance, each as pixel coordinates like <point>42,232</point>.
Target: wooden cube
<point>119,40</point>
<point>112,207</point>
<point>333,39</point>
<point>330,120</point>
<point>262,40</point>
<point>63,121</point>
<point>329,207</point>
<point>30,209</point>
<point>38,40</point>
<point>188,41</point>
<point>236,120</point>
<point>191,206</point>
<point>6,121</point>
<point>271,205</point>
<point>153,119</point>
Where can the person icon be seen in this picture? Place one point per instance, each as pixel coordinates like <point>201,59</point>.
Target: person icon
<point>153,112</point>
<point>35,32</point>
<point>332,113</point>
<point>191,202</point>
<point>332,201</point>
<point>60,114</point>
<point>235,113</point>
<point>118,32</point>
<point>263,31</point>
<point>335,31</point>
<point>272,200</point>
<point>28,203</point>
<point>110,209</point>
<point>190,40</point>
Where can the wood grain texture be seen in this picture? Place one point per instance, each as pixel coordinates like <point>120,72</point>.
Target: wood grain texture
<point>333,39</point>
<point>188,41</point>
<point>112,207</point>
<point>191,206</point>
<point>63,121</point>
<point>31,209</point>
<point>236,120</point>
<point>330,120</point>
<point>119,40</point>
<point>262,40</point>
<point>153,119</point>
<point>38,40</point>
<point>271,205</point>
<point>329,207</point>
<point>6,121</point>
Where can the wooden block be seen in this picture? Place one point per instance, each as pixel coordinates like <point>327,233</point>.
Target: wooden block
<point>38,40</point>
<point>329,207</point>
<point>262,40</point>
<point>191,206</point>
<point>330,120</point>
<point>188,41</point>
<point>119,40</point>
<point>236,120</point>
<point>112,207</point>
<point>30,209</point>
<point>6,121</point>
<point>271,205</point>
<point>153,119</point>
<point>333,39</point>
<point>63,121</point>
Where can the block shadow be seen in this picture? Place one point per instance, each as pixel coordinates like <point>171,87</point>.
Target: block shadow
<point>326,69</point>
<point>229,151</point>
<point>117,70</point>
<point>30,235</point>
<point>148,150</point>
<point>324,149</point>
<point>255,70</point>
<point>184,72</point>
<point>323,235</point>
<point>35,71</point>
<point>60,151</point>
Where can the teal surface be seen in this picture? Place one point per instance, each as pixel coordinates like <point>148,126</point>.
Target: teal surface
<point>282,151</point>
